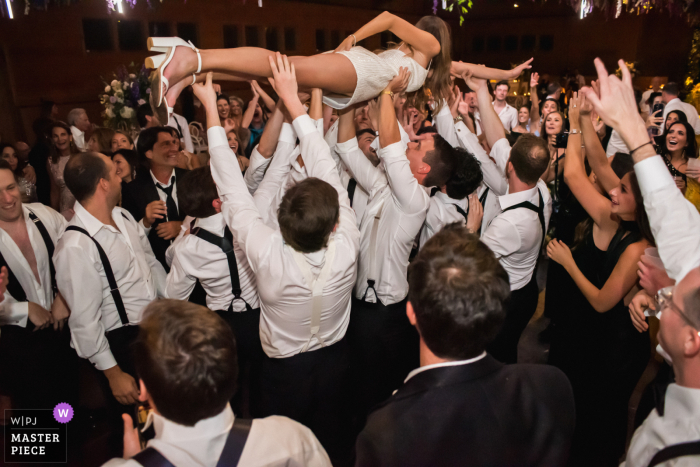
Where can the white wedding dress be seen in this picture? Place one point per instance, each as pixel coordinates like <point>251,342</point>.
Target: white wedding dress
<point>374,72</point>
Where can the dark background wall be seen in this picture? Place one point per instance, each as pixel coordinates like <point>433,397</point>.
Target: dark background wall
<point>60,54</point>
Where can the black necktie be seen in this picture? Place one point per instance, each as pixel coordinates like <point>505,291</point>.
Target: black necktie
<point>461,211</point>
<point>169,201</point>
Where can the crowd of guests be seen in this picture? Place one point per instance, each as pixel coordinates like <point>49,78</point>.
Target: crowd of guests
<point>350,286</point>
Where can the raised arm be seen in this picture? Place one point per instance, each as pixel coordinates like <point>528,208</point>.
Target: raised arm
<point>369,177</point>
<point>267,100</point>
<point>422,41</point>
<point>271,133</point>
<point>596,205</point>
<point>534,102</point>
<point>250,111</point>
<point>491,124</point>
<point>594,149</point>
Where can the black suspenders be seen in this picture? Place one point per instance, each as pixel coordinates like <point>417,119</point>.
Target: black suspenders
<point>13,286</point>
<point>107,266</point>
<point>532,207</point>
<point>352,185</point>
<point>226,245</point>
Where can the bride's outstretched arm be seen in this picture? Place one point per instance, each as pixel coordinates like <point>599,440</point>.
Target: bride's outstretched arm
<point>420,40</point>
<point>479,71</point>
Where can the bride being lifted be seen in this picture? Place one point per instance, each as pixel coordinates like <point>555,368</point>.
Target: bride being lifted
<point>350,75</point>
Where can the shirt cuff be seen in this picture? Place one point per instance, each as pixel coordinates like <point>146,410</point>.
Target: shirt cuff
<point>395,150</point>
<point>347,146</point>
<point>145,229</point>
<point>653,175</point>
<point>216,136</point>
<point>287,134</point>
<point>15,313</point>
<point>104,360</point>
<point>303,125</point>
<point>461,127</point>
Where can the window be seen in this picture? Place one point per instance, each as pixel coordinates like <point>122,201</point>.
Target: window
<point>290,39</point>
<point>493,44</point>
<point>187,32</point>
<point>251,36</point>
<point>527,42</point>
<point>130,35</point>
<point>387,38</point>
<point>271,41</point>
<point>510,44</point>
<point>159,29</point>
<point>97,34</point>
<point>478,44</point>
<point>320,40</point>
<point>230,36</point>
<point>546,43</point>
<point>335,39</point>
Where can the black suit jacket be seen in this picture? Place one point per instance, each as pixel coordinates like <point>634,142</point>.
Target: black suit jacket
<point>479,414</point>
<point>137,195</point>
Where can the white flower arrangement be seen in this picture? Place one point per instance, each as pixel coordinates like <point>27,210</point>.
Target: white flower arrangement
<point>123,95</point>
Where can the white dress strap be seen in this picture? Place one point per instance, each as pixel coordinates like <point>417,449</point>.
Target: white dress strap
<point>316,286</point>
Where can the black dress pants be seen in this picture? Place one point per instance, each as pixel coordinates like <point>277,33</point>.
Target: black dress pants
<point>246,329</point>
<point>312,388</point>
<point>521,307</point>
<point>384,349</point>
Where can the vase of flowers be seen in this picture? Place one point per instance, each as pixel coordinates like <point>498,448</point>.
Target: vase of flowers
<point>123,94</point>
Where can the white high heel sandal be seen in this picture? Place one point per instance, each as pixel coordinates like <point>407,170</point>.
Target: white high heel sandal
<point>161,61</point>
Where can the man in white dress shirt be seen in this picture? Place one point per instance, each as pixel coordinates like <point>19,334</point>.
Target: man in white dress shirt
<point>516,234</point>
<point>305,269</point>
<point>211,256</point>
<point>675,223</point>
<point>384,344</point>
<point>106,271</point>
<point>79,125</point>
<point>35,354</point>
<point>507,113</point>
<point>187,368</point>
<point>670,97</point>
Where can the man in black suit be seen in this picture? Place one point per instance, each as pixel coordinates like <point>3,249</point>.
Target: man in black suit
<point>152,196</point>
<point>462,406</point>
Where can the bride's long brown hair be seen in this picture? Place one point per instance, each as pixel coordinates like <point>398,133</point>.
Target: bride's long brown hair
<point>437,84</point>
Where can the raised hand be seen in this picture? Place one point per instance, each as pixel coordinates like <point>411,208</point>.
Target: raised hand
<point>400,81</point>
<point>476,213</point>
<point>283,80</point>
<point>534,79</point>
<point>474,83</point>
<point>205,92</point>
<point>154,210</point>
<point>518,70</point>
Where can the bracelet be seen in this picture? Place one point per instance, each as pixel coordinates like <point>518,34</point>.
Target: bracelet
<point>353,36</point>
<point>574,132</point>
<point>387,92</point>
<point>639,147</point>
<point>458,118</point>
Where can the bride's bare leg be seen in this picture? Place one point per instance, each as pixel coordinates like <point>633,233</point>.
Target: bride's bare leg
<point>331,72</point>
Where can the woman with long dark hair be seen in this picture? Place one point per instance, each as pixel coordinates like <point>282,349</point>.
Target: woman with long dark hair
<point>62,149</point>
<point>596,345</point>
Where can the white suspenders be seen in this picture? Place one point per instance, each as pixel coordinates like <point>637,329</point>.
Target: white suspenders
<point>316,286</point>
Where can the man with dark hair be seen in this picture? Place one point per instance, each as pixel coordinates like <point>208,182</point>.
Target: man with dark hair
<point>106,272</point>
<point>187,372</point>
<point>669,94</point>
<point>307,267</point>
<point>35,355</point>
<point>145,117</point>
<point>213,257</point>
<point>384,344</point>
<point>152,197</point>
<point>516,233</point>
<point>462,407</point>
<point>506,112</point>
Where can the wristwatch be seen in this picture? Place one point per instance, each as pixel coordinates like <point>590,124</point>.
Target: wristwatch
<point>391,94</point>
<point>458,118</point>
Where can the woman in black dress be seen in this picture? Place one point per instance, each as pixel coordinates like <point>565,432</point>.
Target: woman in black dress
<point>596,344</point>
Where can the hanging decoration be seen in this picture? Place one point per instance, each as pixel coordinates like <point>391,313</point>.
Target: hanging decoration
<point>123,94</point>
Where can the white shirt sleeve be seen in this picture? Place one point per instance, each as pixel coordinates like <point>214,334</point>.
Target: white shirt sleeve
<point>84,298</point>
<point>445,125</point>
<point>256,170</point>
<point>370,178</point>
<point>501,237</point>
<point>408,194</point>
<point>674,221</point>
<point>14,312</point>
<point>494,172</point>
<point>179,284</point>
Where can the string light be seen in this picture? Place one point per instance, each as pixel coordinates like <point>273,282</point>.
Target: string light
<point>9,9</point>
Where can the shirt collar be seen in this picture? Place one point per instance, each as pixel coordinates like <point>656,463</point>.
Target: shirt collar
<point>215,224</point>
<point>91,223</point>
<point>444,364</point>
<point>681,402</point>
<point>172,432</point>
<point>170,179</point>
<point>674,100</point>
<point>511,199</point>
<point>462,203</point>
<point>76,131</point>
